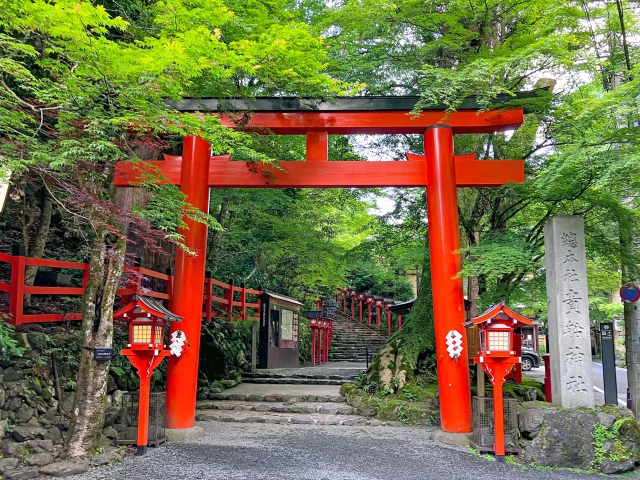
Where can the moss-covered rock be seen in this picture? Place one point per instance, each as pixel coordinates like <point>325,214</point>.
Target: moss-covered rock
<point>413,405</point>
<point>605,439</point>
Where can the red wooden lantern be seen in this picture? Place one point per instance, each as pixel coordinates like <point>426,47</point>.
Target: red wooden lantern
<point>313,325</point>
<point>345,291</point>
<point>379,305</point>
<point>361,298</point>
<point>387,304</point>
<point>498,357</point>
<point>353,293</point>
<point>370,301</point>
<point>147,319</point>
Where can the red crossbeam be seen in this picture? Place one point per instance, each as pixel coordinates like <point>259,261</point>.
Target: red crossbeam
<point>377,122</point>
<point>224,173</point>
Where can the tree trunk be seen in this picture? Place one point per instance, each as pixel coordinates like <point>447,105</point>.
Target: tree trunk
<point>631,322</point>
<point>411,347</point>
<point>87,418</point>
<point>36,249</point>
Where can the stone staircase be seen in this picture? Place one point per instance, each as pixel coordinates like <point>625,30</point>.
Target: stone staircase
<point>288,377</point>
<point>353,340</point>
<point>294,408</point>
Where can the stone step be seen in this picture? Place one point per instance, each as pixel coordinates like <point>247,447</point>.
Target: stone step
<point>294,381</point>
<point>246,416</point>
<point>246,376</point>
<point>270,398</point>
<point>332,408</point>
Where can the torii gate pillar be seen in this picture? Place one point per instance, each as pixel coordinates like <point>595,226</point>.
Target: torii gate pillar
<point>448,301</point>
<point>188,293</point>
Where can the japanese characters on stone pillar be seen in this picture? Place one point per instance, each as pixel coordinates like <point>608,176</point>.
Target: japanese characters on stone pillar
<point>569,328</point>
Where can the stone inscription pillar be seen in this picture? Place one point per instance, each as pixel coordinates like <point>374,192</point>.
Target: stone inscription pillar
<point>569,328</point>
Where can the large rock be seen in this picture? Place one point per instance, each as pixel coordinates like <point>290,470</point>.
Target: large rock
<point>65,469</point>
<point>22,433</point>
<point>530,422</point>
<point>3,397</point>
<point>565,440</point>
<point>35,385</point>
<point>615,468</point>
<point>106,458</point>
<point>3,427</point>
<point>12,374</point>
<point>24,413</point>
<point>13,389</point>
<point>11,449</point>
<point>38,459</point>
<point>110,416</point>
<point>604,439</point>
<point>110,433</point>
<point>14,404</point>
<point>40,446</point>
<point>21,473</point>
<point>54,435</point>
<point>8,464</point>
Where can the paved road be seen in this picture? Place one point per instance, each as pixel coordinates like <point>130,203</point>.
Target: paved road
<point>301,452</point>
<point>598,382</point>
<point>621,381</point>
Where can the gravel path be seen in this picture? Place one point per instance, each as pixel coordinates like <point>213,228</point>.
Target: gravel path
<point>301,452</point>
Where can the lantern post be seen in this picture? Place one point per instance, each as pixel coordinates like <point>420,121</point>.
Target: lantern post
<point>387,304</point>
<point>313,325</point>
<point>147,319</point>
<point>498,358</point>
<point>344,299</point>
<point>370,301</point>
<point>361,298</point>
<point>379,305</point>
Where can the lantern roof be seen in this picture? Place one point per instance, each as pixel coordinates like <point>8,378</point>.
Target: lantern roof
<point>499,311</point>
<point>149,305</point>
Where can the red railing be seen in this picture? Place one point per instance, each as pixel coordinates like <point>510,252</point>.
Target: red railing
<point>233,304</point>
<point>364,304</point>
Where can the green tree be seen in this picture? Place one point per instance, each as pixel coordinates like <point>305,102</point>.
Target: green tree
<point>76,81</point>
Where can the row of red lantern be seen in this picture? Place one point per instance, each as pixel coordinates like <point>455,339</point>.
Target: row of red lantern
<point>322,327</point>
<point>371,301</point>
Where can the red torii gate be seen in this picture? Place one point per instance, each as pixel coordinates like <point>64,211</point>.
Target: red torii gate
<point>439,170</point>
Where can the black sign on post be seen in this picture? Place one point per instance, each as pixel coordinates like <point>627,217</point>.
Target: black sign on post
<point>608,364</point>
<point>103,354</point>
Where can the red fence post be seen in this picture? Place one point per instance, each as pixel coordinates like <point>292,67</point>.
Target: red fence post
<point>169,273</point>
<point>243,301</point>
<point>313,347</point>
<point>16,297</point>
<point>388,322</point>
<point>228,295</point>
<point>208,293</point>
<point>399,322</point>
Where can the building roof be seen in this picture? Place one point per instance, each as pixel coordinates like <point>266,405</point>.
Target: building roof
<point>364,103</point>
<point>283,298</point>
